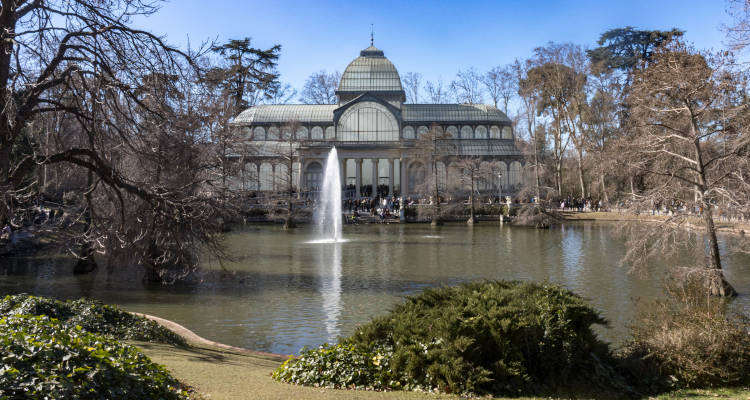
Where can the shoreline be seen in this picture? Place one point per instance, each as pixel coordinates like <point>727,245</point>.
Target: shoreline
<point>192,337</point>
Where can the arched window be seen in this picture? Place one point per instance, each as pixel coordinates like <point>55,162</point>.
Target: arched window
<point>273,133</point>
<point>266,176</point>
<point>316,133</point>
<point>422,130</point>
<point>480,132</point>
<point>259,133</point>
<point>281,178</point>
<point>314,176</point>
<point>408,132</point>
<point>441,175</point>
<point>367,122</point>
<point>302,133</point>
<point>467,132</point>
<point>495,132</point>
<point>250,176</point>
<point>507,133</point>
<point>453,177</point>
<point>514,174</point>
<point>452,131</point>
<point>330,133</point>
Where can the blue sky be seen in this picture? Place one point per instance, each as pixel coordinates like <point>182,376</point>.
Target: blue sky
<point>435,38</point>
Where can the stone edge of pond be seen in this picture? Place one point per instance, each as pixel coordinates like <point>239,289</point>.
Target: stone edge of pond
<point>192,337</point>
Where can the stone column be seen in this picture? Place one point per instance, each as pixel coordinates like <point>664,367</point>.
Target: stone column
<point>358,179</point>
<point>374,177</point>
<point>342,172</point>
<point>390,177</point>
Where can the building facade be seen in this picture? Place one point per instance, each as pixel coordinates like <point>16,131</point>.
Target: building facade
<point>377,138</point>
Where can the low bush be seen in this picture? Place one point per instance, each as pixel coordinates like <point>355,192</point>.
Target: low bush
<point>92,316</point>
<point>689,341</point>
<point>42,358</point>
<point>493,337</point>
<point>340,366</point>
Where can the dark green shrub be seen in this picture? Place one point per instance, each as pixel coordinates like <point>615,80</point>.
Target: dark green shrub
<point>41,358</point>
<point>492,337</point>
<point>92,316</point>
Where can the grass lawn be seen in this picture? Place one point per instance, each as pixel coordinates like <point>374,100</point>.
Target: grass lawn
<point>217,373</point>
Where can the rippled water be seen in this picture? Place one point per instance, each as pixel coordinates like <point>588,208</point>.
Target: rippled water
<point>284,292</point>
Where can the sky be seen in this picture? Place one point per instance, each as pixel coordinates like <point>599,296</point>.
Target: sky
<point>434,38</point>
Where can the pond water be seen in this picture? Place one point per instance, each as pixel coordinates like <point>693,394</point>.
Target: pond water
<point>282,292</point>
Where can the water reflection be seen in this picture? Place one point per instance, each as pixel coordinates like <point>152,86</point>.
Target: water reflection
<point>329,270</point>
<point>282,293</point>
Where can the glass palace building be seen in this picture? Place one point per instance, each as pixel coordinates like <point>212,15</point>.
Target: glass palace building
<point>376,137</point>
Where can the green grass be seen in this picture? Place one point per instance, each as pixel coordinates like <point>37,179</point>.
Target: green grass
<point>220,374</point>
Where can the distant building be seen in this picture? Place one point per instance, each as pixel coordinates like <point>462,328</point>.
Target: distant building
<point>375,133</point>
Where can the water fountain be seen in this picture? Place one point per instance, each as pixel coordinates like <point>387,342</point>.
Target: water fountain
<point>328,213</point>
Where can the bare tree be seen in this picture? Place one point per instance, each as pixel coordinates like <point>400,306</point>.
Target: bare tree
<point>738,33</point>
<point>500,85</point>
<point>467,87</point>
<point>545,82</point>
<point>473,171</point>
<point>432,148</point>
<point>286,156</point>
<point>83,62</point>
<point>412,84</point>
<point>691,143</point>
<point>320,88</point>
<point>283,94</point>
<point>435,92</point>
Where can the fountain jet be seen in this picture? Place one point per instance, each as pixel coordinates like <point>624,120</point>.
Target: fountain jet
<point>328,214</point>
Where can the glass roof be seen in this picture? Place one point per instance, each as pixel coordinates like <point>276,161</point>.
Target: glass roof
<point>371,71</point>
<point>280,113</point>
<point>452,113</point>
<point>478,147</point>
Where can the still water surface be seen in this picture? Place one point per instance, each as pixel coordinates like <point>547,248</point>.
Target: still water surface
<point>283,292</point>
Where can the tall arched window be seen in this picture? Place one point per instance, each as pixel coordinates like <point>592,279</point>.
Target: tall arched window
<point>314,176</point>
<point>502,168</point>
<point>441,175</point>
<point>514,174</point>
<point>467,132</point>
<point>367,122</point>
<point>266,176</point>
<point>281,177</point>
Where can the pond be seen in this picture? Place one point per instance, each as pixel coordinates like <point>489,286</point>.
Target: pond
<point>282,292</point>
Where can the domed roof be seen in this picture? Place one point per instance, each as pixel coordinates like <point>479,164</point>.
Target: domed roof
<point>370,72</point>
